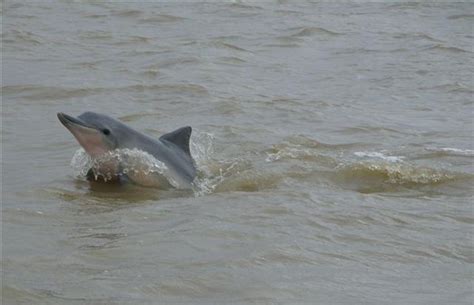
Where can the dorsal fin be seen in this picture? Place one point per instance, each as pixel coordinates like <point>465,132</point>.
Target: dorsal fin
<point>179,137</point>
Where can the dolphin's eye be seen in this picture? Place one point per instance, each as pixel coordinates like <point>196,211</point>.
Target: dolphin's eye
<point>106,131</point>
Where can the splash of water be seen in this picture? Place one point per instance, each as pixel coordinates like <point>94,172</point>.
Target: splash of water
<point>213,172</point>
<point>137,162</point>
<point>202,147</point>
<point>129,161</point>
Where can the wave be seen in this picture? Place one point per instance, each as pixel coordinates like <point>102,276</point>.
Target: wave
<point>161,18</point>
<point>415,36</point>
<point>461,16</point>
<point>226,45</point>
<point>396,173</point>
<point>239,5</point>
<point>247,181</point>
<point>452,151</point>
<point>313,31</point>
<point>34,92</point>
<point>378,155</point>
<point>127,13</point>
<point>372,177</point>
<point>133,40</point>
<point>441,47</point>
<point>168,63</point>
<point>282,45</point>
<point>16,36</point>
<point>231,60</point>
<point>451,87</point>
<point>213,173</point>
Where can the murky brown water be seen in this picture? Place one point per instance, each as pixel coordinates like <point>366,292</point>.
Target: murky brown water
<point>335,146</point>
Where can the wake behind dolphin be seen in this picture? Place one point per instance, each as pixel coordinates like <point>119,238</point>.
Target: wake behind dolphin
<point>100,134</point>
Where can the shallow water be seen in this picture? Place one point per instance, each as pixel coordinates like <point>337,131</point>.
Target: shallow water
<point>334,143</point>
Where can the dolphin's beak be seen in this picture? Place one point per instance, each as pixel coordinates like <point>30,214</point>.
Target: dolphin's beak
<point>71,122</point>
<point>88,136</point>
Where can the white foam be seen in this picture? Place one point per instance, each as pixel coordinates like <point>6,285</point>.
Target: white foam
<point>287,153</point>
<point>378,155</point>
<point>454,151</point>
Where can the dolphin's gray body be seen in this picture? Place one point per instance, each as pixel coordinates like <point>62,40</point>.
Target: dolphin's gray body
<point>99,134</point>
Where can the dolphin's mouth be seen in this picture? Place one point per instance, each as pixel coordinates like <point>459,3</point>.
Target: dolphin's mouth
<point>90,137</point>
<point>71,122</point>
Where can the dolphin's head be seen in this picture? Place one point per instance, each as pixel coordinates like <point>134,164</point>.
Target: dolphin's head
<point>97,133</point>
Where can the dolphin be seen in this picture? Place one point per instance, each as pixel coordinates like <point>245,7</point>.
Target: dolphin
<point>99,134</point>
